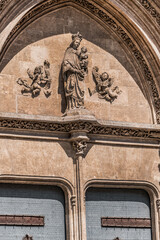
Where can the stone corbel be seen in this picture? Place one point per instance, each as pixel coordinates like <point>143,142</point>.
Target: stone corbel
<point>79,141</point>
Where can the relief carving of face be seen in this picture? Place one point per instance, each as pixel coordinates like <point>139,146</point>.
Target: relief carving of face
<point>104,76</point>
<point>76,43</point>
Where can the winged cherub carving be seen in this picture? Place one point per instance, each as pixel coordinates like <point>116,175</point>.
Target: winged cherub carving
<point>104,86</point>
<point>40,79</point>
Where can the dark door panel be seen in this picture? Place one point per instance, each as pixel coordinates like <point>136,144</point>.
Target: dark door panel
<point>116,203</point>
<point>26,200</point>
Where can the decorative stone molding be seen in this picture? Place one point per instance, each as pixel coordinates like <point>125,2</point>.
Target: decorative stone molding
<point>3,4</point>
<point>79,128</point>
<point>106,19</point>
<point>148,6</point>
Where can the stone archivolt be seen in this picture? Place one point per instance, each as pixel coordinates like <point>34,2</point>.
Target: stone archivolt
<point>106,19</point>
<point>3,3</point>
<point>148,6</point>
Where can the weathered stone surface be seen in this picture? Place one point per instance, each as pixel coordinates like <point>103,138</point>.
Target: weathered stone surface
<point>126,108</point>
<point>36,158</point>
<point>104,142</point>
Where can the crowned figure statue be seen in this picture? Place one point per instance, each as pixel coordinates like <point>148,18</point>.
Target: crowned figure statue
<point>74,70</point>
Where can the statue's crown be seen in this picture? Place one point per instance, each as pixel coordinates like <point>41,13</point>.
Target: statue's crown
<point>77,36</point>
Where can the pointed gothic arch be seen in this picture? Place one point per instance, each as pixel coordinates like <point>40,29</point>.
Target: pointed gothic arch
<point>125,31</point>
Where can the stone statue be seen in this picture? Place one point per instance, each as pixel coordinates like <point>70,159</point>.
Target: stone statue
<point>74,70</point>
<point>40,79</point>
<point>104,86</point>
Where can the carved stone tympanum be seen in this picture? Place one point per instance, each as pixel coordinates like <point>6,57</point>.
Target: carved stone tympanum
<point>38,79</point>
<point>74,70</point>
<point>104,86</point>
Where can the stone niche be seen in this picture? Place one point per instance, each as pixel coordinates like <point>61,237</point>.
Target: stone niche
<point>47,38</point>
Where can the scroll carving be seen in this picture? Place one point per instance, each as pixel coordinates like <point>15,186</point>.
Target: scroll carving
<point>79,146</point>
<point>27,237</point>
<point>38,79</point>
<point>74,70</point>
<point>104,86</point>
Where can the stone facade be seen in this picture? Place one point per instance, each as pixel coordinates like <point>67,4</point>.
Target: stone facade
<point>107,139</point>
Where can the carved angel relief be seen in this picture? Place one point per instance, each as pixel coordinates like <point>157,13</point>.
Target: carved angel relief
<point>104,86</point>
<point>38,79</point>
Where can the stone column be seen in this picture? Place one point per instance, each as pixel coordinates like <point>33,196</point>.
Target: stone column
<point>158,208</point>
<point>79,143</point>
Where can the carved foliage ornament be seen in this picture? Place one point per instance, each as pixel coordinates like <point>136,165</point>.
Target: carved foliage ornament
<point>38,79</point>
<point>145,3</point>
<point>89,127</point>
<point>104,86</point>
<point>107,20</point>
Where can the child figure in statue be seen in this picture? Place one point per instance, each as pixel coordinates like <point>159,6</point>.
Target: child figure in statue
<point>83,56</point>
